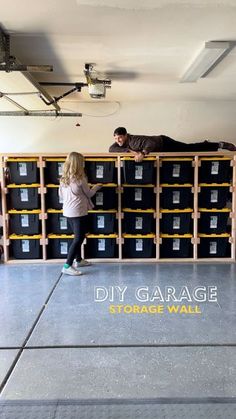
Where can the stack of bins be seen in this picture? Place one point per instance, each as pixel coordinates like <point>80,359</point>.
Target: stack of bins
<point>138,207</point>
<point>57,223</point>
<point>58,245</point>
<point>59,233</point>
<point>53,169</point>
<point>24,208</point>
<point>176,203</point>
<point>101,241</point>
<point>52,174</point>
<point>214,200</point>
<point>102,221</point>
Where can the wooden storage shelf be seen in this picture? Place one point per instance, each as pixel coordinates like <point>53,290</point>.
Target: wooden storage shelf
<point>119,188</point>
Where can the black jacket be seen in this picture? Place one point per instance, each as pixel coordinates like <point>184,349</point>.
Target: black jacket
<point>146,143</point>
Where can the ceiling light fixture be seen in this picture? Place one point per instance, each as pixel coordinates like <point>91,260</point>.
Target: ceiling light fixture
<point>209,57</point>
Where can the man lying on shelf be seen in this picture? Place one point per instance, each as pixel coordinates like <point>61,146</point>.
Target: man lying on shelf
<point>141,145</point>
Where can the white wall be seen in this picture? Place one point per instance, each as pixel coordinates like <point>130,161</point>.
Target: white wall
<point>187,121</point>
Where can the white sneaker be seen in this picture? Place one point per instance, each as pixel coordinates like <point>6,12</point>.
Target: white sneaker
<point>82,263</point>
<point>70,271</point>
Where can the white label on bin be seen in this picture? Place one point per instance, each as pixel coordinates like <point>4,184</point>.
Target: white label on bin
<point>176,170</point>
<point>138,172</point>
<point>138,194</point>
<point>24,220</point>
<point>175,197</point>
<point>215,167</point>
<point>176,244</point>
<point>138,223</point>
<point>100,221</point>
<point>25,247</point>
<point>99,198</point>
<point>63,248</point>
<point>63,223</point>
<point>60,168</point>
<point>99,171</point>
<point>101,245</point>
<point>214,195</point>
<point>23,169</point>
<point>139,245</point>
<point>213,221</point>
<point>176,223</point>
<point>24,196</point>
<point>213,248</point>
<point>60,198</point>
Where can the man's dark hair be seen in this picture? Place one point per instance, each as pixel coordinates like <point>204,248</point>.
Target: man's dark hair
<point>120,131</point>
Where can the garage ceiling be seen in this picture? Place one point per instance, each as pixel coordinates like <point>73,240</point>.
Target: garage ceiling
<point>145,46</point>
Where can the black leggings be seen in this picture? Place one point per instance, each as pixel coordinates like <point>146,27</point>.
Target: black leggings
<point>79,227</point>
<point>172,145</point>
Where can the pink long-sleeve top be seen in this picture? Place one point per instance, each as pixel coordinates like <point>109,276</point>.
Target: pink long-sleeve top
<point>76,198</point>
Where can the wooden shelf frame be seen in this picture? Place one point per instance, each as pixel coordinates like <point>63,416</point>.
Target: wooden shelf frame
<point>43,216</point>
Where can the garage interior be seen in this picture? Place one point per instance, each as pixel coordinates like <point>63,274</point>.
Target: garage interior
<point>70,73</point>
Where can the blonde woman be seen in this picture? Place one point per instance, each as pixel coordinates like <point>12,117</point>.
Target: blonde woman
<point>76,194</point>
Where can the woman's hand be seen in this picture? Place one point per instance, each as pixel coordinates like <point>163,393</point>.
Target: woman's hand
<point>97,186</point>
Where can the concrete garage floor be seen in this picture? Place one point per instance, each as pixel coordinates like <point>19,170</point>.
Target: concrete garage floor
<point>64,355</point>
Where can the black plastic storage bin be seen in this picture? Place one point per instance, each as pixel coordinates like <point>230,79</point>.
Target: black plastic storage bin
<point>52,198</point>
<point>57,223</point>
<point>101,170</point>
<point>24,221</point>
<point>102,222</point>
<point>176,170</point>
<point>24,196</point>
<point>138,173</point>
<point>138,197</point>
<point>213,221</point>
<point>176,246</point>
<point>215,170</point>
<point>106,198</point>
<point>58,246</point>
<point>138,222</point>
<point>101,246</point>
<point>214,246</point>
<point>53,170</point>
<point>213,196</point>
<point>25,247</point>
<point>176,196</point>
<point>23,170</point>
<point>176,221</point>
<point>139,246</point>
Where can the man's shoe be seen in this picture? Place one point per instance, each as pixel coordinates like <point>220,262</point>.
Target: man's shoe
<point>70,271</point>
<point>82,263</point>
<point>227,146</point>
